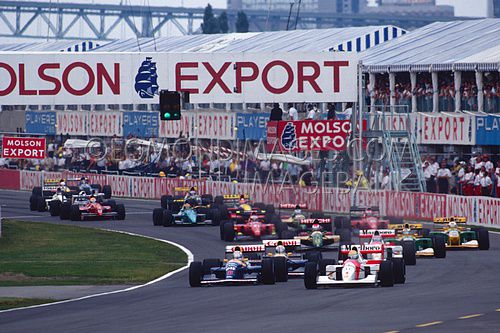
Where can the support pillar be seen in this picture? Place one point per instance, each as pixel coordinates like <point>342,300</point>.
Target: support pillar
<point>371,91</point>
<point>392,89</point>
<point>458,97</point>
<point>480,95</point>
<point>413,80</point>
<point>435,94</point>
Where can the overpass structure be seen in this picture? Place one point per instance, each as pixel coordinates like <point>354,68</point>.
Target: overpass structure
<point>19,19</point>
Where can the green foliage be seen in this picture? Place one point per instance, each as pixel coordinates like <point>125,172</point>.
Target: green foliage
<point>210,24</point>
<point>223,24</point>
<point>13,302</point>
<point>48,254</point>
<point>242,24</point>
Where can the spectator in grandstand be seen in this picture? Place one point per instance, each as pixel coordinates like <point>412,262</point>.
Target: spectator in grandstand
<point>276,113</point>
<point>443,178</point>
<point>292,112</point>
<point>311,112</point>
<point>264,169</point>
<point>430,171</point>
<point>468,181</point>
<point>386,181</point>
<point>4,162</point>
<point>488,165</point>
<point>477,182</point>
<point>497,179</point>
<point>486,184</point>
<point>330,113</point>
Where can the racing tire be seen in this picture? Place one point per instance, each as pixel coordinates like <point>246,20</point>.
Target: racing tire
<point>311,275</point>
<point>41,206</point>
<point>270,209</point>
<point>439,246</point>
<point>224,213</point>
<point>106,190</point>
<point>342,222</point>
<point>221,229</point>
<point>110,203</point>
<point>395,220</point>
<point>425,232</point>
<point>345,236</point>
<point>207,199</point>
<point>65,212</point>
<point>260,205</point>
<point>317,215</point>
<point>55,207</point>
<point>157,216</point>
<point>280,269</point>
<point>267,272</point>
<point>75,214</point>
<point>219,200</point>
<point>195,274</point>
<point>399,270</point>
<point>409,252</point>
<point>483,238</point>
<point>120,210</point>
<point>386,274</point>
<point>215,217</point>
<point>209,263</point>
<point>167,219</point>
<point>313,256</point>
<point>96,187</point>
<point>228,229</point>
<point>165,201</point>
<point>323,263</point>
<point>33,202</point>
<point>287,234</point>
<point>37,191</point>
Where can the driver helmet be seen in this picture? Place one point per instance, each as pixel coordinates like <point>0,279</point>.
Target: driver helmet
<point>254,218</point>
<point>353,254</point>
<point>83,180</point>
<point>452,224</point>
<point>297,210</point>
<point>59,190</point>
<point>62,183</point>
<point>316,226</point>
<point>237,254</point>
<point>376,238</point>
<point>242,201</point>
<point>92,199</point>
<point>280,249</point>
<point>192,192</point>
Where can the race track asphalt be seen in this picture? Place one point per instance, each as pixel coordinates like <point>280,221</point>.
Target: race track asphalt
<point>437,293</point>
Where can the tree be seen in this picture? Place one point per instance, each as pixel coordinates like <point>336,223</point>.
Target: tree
<point>210,24</point>
<point>242,22</point>
<point>223,25</point>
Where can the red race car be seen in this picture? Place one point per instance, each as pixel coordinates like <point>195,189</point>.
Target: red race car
<point>84,207</point>
<point>254,228</point>
<point>368,218</point>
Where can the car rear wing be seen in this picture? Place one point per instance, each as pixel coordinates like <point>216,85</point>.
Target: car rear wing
<point>185,188</point>
<point>413,226</point>
<point>289,244</point>
<point>456,219</point>
<point>309,221</point>
<point>231,197</point>
<point>292,206</point>
<point>385,233</point>
<point>250,248</point>
<point>362,248</point>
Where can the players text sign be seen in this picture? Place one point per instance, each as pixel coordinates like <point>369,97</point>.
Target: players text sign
<point>13,147</point>
<point>126,78</point>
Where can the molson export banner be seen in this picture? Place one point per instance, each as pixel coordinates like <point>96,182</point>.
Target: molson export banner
<point>123,78</point>
<point>291,136</point>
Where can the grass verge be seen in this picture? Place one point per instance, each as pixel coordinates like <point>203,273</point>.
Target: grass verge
<point>12,302</point>
<point>48,254</point>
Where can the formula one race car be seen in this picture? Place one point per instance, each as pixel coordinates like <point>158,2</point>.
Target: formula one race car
<point>54,192</point>
<point>83,207</point>
<point>285,253</point>
<point>369,218</point>
<point>189,210</point>
<point>243,265</point>
<point>365,264</point>
<point>315,235</point>
<point>240,208</point>
<point>458,236</point>
<point>254,228</point>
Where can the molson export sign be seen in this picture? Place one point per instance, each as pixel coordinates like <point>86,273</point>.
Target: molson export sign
<point>122,78</point>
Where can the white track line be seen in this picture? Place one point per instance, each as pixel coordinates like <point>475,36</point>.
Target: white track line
<point>163,277</point>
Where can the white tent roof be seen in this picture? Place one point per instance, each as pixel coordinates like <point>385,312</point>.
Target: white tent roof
<point>459,45</point>
<point>315,40</point>
<point>51,46</point>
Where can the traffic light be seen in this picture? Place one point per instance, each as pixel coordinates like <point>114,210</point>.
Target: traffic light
<point>170,105</point>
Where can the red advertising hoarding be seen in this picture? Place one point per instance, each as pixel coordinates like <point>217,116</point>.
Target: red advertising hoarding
<point>13,147</point>
<point>291,136</point>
